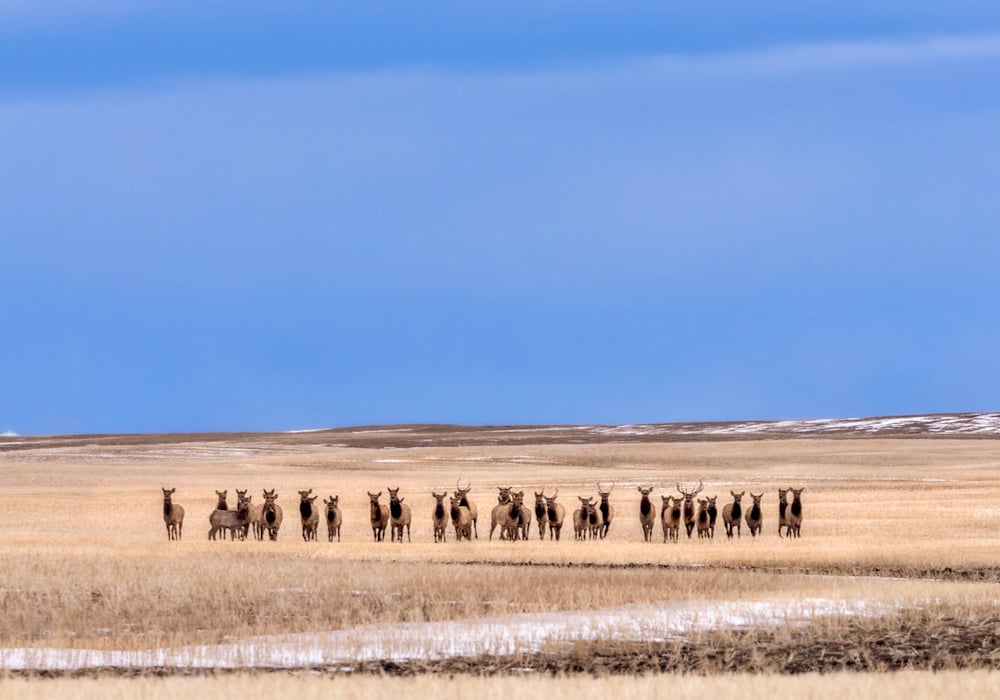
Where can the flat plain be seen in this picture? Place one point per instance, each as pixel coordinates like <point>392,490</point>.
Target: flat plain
<point>895,575</point>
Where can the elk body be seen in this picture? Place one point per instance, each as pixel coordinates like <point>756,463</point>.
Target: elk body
<point>713,515</point>
<point>703,520</point>
<point>755,516</point>
<point>439,517</point>
<point>271,514</point>
<point>732,514</point>
<point>512,517</point>
<point>242,496</point>
<point>670,517</point>
<point>461,518</point>
<point>783,511</point>
<point>795,513</point>
<point>334,518</point>
<point>379,516</point>
<point>581,518</point>
<point>647,514</point>
<point>556,513</point>
<point>497,516</point>
<point>689,510</point>
<point>399,516</point>
<point>541,513</point>
<point>173,515</point>
<point>607,510</point>
<point>463,495</point>
<point>309,515</point>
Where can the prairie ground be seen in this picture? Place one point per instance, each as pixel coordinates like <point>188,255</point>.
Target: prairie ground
<point>897,566</point>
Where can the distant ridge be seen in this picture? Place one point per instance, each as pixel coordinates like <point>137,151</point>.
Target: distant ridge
<point>222,445</point>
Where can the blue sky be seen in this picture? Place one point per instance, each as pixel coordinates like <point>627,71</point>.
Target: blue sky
<point>221,218</point>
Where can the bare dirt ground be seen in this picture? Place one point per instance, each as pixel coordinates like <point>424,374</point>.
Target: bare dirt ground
<point>897,566</point>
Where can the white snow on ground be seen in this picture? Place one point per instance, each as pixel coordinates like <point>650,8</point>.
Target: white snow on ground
<point>958,424</point>
<point>505,635</point>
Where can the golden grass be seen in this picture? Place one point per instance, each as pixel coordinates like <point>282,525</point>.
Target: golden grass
<point>912,685</point>
<point>84,559</point>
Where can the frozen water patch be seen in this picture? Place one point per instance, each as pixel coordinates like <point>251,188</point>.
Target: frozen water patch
<point>507,635</point>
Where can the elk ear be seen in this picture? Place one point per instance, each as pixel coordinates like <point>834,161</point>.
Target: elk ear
<point>402,499</point>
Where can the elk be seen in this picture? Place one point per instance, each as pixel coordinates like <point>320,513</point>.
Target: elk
<point>704,519</point>
<point>713,515</point>
<point>581,517</point>
<point>334,519</point>
<point>596,520</point>
<point>271,516</point>
<point>399,516</point>
<point>555,513</point>
<point>754,516</point>
<point>511,516</point>
<point>240,497</point>
<point>541,513</point>
<point>647,515</point>
<point>463,496</point>
<point>607,510</point>
<point>309,515</point>
<point>461,518</point>
<point>496,517</point>
<point>233,520</point>
<point>670,517</point>
<point>439,516</point>
<point>689,514</point>
<point>782,511</point>
<point>732,514</point>
<point>173,515</point>
<point>379,516</point>
<point>795,513</point>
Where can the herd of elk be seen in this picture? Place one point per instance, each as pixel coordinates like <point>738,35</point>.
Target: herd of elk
<point>590,521</point>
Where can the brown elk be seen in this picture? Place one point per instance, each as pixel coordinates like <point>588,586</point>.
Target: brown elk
<point>689,512</point>
<point>463,495</point>
<point>703,519</point>
<point>595,520</point>
<point>511,517</point>
<point>581,517</point>
<point>399,516</point>
<point>173,515</point>
<point>379,516</point>
<point>556,513</point>
<point>647,514</point>
<point>713,515</point>
<point>607,510</point>
<point>309,515</point>
<point>334,518</point>
<point>795,513</point>
<point>461,518</point>
<point>670,517</point>
<point>541,513</point>
<point>272,514</point>
<point>732,514</point>
<point>439,517</point>
<point>755,516</point>
<point>242,496</point>
<point>497,516</point>
<point>783,511</point>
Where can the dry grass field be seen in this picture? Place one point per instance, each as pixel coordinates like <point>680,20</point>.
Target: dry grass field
<point>897,568</point>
